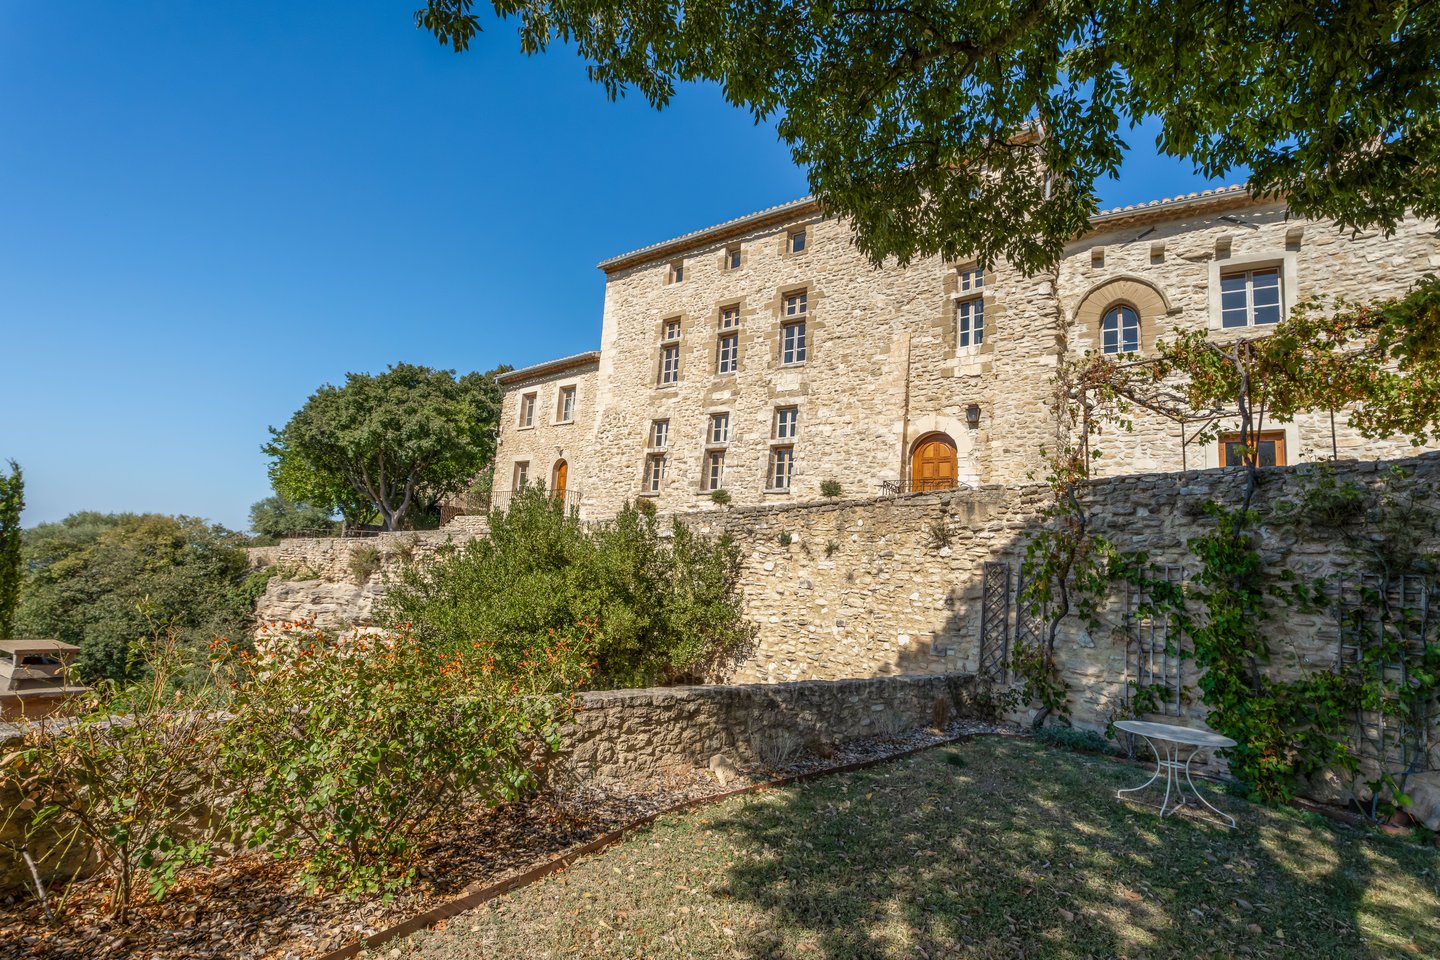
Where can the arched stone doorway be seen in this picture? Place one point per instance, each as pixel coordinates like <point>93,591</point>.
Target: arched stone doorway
<point>934,463</point>
<point>559,478</point>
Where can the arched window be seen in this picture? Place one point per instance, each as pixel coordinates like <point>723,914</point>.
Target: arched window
<point>1120,329</point>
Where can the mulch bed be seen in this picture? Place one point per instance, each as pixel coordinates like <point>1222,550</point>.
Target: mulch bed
<point>254,907</point>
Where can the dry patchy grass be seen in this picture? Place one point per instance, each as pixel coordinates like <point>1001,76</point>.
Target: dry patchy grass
<point>993,848</point>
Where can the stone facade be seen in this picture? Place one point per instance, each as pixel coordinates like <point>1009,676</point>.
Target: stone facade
<point>885,368</point>
<point>544,435</point>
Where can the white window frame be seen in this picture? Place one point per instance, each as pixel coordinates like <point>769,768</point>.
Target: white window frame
<point>794,348</point>
<point>565,407</point>
<point>1285,260</point>
<point>714,472</point>
<point>774,482</point>
<point>970,324</point>
<point>669,364</point>
<point>785,426</point>
<point>659,437</point>
<point>520,476</point>
<point>718,432</point>
<point>654,473</point>
<point>1120,307</point>
<point>527,410</point>
<point>727,353</point>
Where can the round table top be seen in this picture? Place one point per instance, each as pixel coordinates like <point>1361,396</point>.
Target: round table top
<point>1174,733</point>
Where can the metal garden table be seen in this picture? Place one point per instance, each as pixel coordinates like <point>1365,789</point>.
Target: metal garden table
<point>1170,742</point>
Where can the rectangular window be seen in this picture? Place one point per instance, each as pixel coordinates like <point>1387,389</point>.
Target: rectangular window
<point>792,344</point>
<point>654,472</point>
<point>669,364</point>
<point>527,410</point>
<point>522,474</point>
<point>566,412</point>
<point>732,257</point>
<point>1250,298</point>
<point>727,352</point>
<point>719,428</point>
<point>971,318</point>
<point>659,434</point>
<point>795,242</point>
<point>677,271</point>
<point>787,419</point>
<point>796,305</point>
<point>782,465</point>
<point>671,331</point>
<point>729,318</point>
<point>1269,449</point>
<point>714,469</point>
<point>972,278</point>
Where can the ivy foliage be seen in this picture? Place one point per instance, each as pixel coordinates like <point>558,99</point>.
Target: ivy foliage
<point>649,604</point>
<point>921,121</point>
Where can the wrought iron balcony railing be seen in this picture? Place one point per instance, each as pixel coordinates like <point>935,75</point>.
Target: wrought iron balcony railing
<point>899,488</point>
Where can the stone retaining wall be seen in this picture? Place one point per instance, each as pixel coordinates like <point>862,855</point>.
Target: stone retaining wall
<point>638,735</point>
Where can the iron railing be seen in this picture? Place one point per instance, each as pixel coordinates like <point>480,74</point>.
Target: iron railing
<point>492,500</point>
<point>899,488</point>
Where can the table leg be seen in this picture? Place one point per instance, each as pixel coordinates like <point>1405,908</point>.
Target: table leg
<point>1168,760</point>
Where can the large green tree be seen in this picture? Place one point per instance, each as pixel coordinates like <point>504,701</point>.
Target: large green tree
<point>917,119</point>
<point>388,443</point>
<point>12,502</point>
<point>105,581</point>
<point>276,517</point>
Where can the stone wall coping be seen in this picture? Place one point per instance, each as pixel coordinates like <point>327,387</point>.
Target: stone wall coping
<point>597,699</point>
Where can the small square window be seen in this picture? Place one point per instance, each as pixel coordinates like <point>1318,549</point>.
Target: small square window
<point>1250,298</point>
<point>522,474</point>
<point>566,411</point>
<point>1269,446</point>
<point>972,278</point>
<point>719,428</point>
<point>727,352</point>
<point>787,419</point>
<point>782,467</point>
<point>729,318</point>
<point>670,331</point>
<point>659,434</point>
<point>795,241</point>
<point>527,410</point>
<point>796,304</point>
<point>714,470</point>
<point>654,472</point>
<point>677,271</point>
<point>732,257</point>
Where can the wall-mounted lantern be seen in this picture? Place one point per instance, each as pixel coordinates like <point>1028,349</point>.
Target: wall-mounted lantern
<point>972,416</point>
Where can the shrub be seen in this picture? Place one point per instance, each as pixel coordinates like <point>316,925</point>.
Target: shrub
<point>1081,741</point>
<point>349,752</point>
<point>123,778</point>
<point>364,564</point>
<point>785,538</point>
<point>659,609</point>
<point>721,497</point>
<point>830,488</point>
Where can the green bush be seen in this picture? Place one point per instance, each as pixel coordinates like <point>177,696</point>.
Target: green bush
<point>646,607</point>
<point>348,753</point>
<point>721,497</point>
<point>1081,741</point>
<point>830,488</point>
<point>364,564</point>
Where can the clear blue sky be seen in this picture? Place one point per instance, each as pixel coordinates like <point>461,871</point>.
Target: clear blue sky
<point>207,210</point>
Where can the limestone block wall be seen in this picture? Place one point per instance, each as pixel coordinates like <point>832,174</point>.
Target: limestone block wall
<point>639,735</point>
<point>884,588</point>
<point>548,439</point>
<point>316,578</point>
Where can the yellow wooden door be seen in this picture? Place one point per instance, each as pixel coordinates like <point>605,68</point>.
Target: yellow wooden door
<point>562,474</point>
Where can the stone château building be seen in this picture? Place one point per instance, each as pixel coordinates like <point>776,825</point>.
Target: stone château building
<point>765,356</point>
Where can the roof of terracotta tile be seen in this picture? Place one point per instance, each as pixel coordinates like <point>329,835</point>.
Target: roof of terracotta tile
<point>781,211</point>
<point>549,366</point>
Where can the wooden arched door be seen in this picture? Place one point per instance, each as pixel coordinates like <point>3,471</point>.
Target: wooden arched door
<point>934,464</point>
<point>557,483</point>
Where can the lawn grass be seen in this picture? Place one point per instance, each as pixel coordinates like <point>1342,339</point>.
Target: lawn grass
<point>992,848</point>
